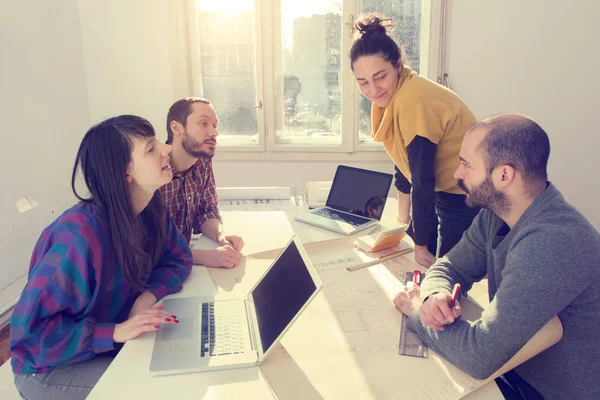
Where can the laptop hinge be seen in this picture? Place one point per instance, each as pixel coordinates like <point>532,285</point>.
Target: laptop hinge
<point>252,325</point>
<point>354,215</point>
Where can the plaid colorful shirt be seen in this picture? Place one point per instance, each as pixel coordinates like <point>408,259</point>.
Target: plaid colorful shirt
<point>77,291</point>
<point>191,197</point>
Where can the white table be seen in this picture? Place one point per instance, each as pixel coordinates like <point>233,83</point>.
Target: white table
<point>128,375</point>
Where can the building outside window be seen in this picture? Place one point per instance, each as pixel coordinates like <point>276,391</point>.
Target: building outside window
<point>279,77</point>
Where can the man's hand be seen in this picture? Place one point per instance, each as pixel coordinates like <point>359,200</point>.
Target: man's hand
<point>223,256</point>
<point>424,257</point>
<point>435,312</point>
<point>143,321</point>
<point>408,299</point>
<point>145,301</point>
<point>232,240</point>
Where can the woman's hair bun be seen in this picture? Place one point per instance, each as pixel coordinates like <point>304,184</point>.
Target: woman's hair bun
<point>373,23</point>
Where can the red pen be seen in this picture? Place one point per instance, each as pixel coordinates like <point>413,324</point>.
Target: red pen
<point>417,277</point>
<point>455,293</point>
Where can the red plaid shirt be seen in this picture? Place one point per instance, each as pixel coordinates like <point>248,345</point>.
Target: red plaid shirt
<point>191,197</point>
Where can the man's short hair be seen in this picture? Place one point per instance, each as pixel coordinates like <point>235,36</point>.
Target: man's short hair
<point>179,112</point>
<point>516,140</point>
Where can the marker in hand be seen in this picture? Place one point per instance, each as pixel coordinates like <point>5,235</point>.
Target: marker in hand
<point>417,277</point>
<point>455,293</point>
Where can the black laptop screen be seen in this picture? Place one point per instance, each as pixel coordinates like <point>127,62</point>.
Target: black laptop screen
<point>281,293</point>
<point>359,191</point>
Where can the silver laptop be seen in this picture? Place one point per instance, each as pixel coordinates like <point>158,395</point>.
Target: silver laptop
<point>355,202</point>
<point>224,334</point>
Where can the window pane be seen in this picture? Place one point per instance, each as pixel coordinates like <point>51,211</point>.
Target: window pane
<point>308,91</point>
<point>227,66</point>
<point>406,17</point>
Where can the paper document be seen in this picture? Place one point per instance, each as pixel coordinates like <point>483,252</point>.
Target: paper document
<point>353,328</point>
<point>336,253</point>
<point>245,275</point>
<point>265,247</point>
<point>253,198</point>
<point>253,205</point>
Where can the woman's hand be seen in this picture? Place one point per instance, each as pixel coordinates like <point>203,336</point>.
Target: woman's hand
<point>145,301</point>
<point>143,321</point>
<point>424,257</point>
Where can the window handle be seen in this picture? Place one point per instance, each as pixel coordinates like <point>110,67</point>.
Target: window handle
<point>259,105</point>
<point>350,24</point>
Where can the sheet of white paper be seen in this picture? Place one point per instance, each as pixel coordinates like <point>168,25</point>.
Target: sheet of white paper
<point>342,253</point>
<point>254,205</point>
<point>354,329</point>
<point>262,248</point>
<point>262,231</point>
<point>242,278</point>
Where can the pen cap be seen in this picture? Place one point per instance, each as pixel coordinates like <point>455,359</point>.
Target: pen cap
<point>417,277</point>
<point>455,293</point>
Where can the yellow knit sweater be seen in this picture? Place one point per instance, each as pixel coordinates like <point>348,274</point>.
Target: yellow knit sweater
<point>422,107</point>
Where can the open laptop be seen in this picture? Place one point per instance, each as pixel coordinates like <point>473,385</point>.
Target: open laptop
<point>355,202</point>
<point>224,334</point>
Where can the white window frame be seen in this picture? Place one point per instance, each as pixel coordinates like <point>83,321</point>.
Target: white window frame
<point>186,66</point>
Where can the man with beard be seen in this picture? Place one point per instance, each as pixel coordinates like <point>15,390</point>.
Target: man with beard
<point>541,259</point>
<point>191,197</point>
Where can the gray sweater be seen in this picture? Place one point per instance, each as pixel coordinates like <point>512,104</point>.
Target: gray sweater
<point>548,264</point>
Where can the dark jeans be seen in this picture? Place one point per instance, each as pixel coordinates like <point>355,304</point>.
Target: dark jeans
<point>454,217</point>
<point>513,387</point>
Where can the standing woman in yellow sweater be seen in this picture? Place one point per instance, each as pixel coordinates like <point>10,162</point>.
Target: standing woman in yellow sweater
<point>421,125</point>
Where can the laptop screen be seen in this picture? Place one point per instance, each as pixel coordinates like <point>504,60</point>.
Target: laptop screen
<point>281,294</point>
<point>359,191</point>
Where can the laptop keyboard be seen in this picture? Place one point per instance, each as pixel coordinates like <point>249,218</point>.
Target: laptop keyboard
<point>222,329</point>
<point>354,220</point>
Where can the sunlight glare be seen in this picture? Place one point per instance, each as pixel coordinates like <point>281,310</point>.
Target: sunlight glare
<point>225,7</point>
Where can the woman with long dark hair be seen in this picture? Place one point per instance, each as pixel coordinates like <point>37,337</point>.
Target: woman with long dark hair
<point>421,125</point>
<point>97,271</point>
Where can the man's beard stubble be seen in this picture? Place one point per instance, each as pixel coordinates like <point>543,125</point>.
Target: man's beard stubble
<point>486,196</point>
<point>189,144</point>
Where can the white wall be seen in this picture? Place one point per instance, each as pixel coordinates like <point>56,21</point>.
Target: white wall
<point>43,100</point>
<point>126,52</point>
<point>540,58</point>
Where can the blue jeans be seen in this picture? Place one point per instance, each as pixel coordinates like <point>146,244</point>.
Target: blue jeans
<point>69,382</point>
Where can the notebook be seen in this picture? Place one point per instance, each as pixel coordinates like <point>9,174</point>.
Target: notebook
<point>382,240</point>
<point>355,202</point>
<point>223,334</point>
